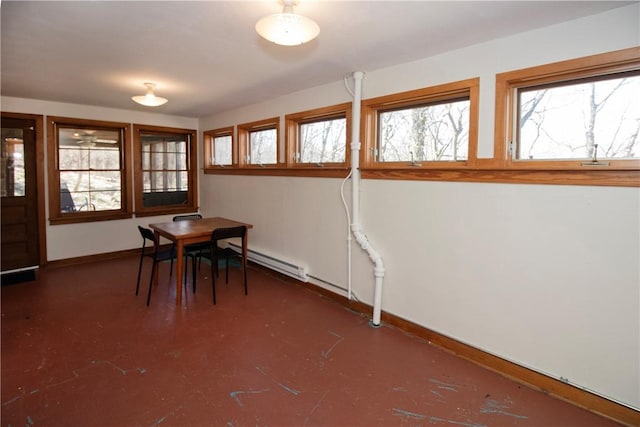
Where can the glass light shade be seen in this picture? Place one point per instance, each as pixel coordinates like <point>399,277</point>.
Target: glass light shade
<point>287,29</point>
<point>150,99</point>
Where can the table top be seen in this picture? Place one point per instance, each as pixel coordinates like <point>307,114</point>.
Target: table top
<point>194,228</point>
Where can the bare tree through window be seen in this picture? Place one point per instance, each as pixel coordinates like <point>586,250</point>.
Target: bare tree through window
<point>581,120</point>
<point>323,141</point>
<point>435,132</point>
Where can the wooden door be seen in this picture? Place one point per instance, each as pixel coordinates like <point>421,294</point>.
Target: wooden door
<point>19,188</point>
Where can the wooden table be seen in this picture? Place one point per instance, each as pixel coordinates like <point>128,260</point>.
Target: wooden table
<point>193,231</point>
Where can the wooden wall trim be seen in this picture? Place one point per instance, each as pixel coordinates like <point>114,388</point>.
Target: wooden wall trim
<point>92,258</point>
<point>617,178</point>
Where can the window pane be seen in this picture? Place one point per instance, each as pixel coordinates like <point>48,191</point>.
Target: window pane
<point>146,160</point>
<point>73,159</point>
<point>106,158</point>
<point>164,169</point>
<point>157,160</point>
<point>75,181</point>
<point>180,160</point>
<point>13,179</point>
<point>146,182</point>
<point>90,169</point>
<point>438,132</point>
<point>263,147</point>
<point>181,146</point>
<point>89,191</point>
<point>323,142</point>
<point>570,121</point>
<point>222,150</point>
<point>103,180</point>
<point>104,200</point>
<point>183,183</point>
<point>158,183</point>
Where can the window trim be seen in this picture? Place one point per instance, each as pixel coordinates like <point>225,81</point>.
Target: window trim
<point>448,91</point>
<point>55,215</point>
<point>508,83</point>
<point>208,138</point>
<point>243,132</point>
<point>192,171</point>
<point>292,127</point>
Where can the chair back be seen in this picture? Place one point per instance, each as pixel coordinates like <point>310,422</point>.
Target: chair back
<point>147,234</point>
<point>186,217</point>
<point>228,233</point>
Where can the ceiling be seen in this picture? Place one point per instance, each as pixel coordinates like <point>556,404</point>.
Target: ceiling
<point>206,57</point>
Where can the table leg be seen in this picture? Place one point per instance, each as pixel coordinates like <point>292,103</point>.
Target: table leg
<point>245,240</point>
<point>179,266</point>
<point>245,244</point>
<point>155,274</point>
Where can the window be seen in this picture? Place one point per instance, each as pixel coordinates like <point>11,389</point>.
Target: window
<point>258,143</point>
<point>165,177</point>
<point>88,170</point>
<point>13,177</point>
<point>318,138</point>
<point>581,114</point>
<point>434,127</point>
<point>218,148</point>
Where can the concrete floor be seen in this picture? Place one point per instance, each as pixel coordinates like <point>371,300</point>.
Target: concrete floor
<point>80,349</point>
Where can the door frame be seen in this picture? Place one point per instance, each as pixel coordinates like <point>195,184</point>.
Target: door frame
<point>40,174</point>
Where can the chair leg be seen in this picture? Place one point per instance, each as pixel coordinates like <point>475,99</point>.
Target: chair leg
<point>153,271</point>
<point>193,272</point>
<point>226,273</point>
<point>139,272</point>
<point>213,278</point>
<point>185,271</point>
<point>244,273</point>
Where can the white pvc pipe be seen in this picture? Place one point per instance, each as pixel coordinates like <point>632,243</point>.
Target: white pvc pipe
<point>356,227</point>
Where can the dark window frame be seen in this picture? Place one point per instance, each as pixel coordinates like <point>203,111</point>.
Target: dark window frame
<point>190,204</point>
<point>56,216</point>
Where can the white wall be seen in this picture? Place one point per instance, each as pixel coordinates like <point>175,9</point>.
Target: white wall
<point>545,276</point>
<point>76,240</point>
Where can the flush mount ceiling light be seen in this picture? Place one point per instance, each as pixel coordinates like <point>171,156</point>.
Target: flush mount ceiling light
<point>287,28</point>
<point>150,99</point>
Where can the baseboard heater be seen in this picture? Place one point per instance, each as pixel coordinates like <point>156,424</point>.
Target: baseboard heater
<point>276,264</point>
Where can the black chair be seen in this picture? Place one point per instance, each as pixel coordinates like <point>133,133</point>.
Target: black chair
<point>192,251</point>
<point>216,253</point>
<point>157,255</point>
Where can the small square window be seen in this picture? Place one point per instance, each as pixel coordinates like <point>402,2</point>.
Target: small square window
<point>317,139</point>
<point>323,141</point>
<point>219,149</point>
<point>262,147</point>
<point>259,143</point>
